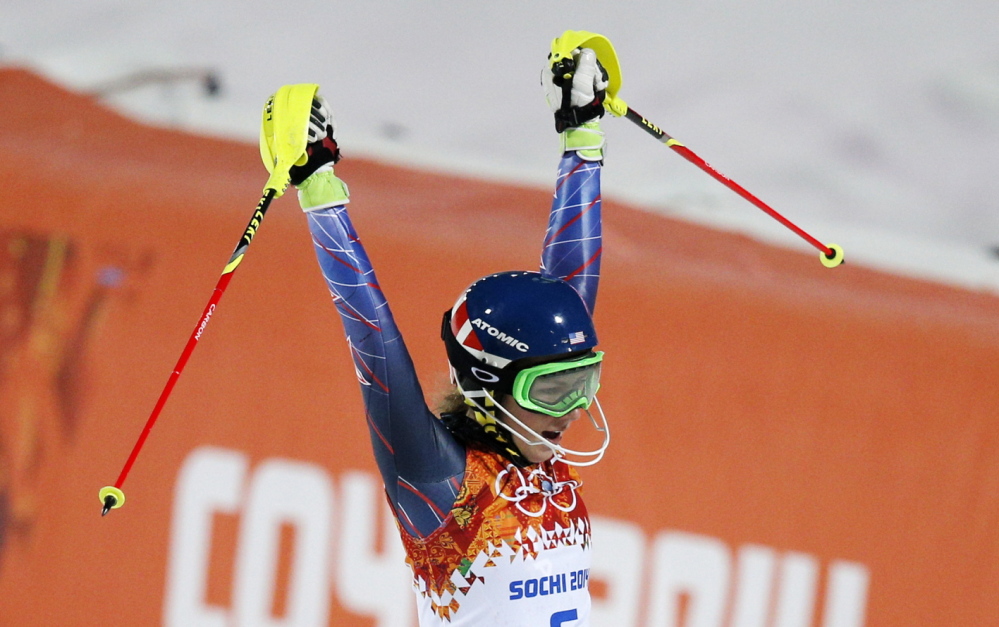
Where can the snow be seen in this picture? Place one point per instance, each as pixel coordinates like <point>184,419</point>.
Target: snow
<point>872,124</point>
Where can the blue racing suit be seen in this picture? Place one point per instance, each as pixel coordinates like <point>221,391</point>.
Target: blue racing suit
<point>437,486</point>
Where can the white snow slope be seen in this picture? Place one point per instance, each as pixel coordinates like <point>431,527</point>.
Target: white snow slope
<point>873,124</point>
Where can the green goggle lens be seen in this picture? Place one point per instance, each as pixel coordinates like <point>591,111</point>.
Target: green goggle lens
<point>556,388</point>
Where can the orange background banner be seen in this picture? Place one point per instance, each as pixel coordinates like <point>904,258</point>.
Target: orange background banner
<point>791,445</point>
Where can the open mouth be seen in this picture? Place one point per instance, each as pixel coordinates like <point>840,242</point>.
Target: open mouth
<point>552,436</point>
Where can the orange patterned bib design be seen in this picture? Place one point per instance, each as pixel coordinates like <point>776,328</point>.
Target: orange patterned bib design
<point>516,539</point>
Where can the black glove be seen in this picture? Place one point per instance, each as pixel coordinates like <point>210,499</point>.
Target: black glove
<point>322,148</point>
<point>575,89</point>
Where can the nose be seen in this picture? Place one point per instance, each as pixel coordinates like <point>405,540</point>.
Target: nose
<point>574,415</point>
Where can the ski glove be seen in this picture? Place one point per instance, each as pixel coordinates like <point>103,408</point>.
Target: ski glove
<point>322,148</point>
<point>575,89</point>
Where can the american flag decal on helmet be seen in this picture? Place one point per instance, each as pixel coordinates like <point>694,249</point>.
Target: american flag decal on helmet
<point>577,338</point>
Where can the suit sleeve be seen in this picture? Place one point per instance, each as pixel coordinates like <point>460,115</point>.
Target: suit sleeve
<point>421,463</point>
<point>574,242</point>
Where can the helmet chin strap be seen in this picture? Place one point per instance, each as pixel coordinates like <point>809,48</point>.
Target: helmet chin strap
<point>561,453</point>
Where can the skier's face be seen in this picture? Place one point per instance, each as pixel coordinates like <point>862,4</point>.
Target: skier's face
<point>548,427</point>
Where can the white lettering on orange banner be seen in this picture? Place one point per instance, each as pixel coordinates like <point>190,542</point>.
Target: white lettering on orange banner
<point>336,546</point>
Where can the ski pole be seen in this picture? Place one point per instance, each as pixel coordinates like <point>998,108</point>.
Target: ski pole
<point>283,137</point>
<point>832,255</point>
<point>561,62</point>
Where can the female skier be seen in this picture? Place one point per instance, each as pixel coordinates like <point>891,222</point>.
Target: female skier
<point>486,498</point>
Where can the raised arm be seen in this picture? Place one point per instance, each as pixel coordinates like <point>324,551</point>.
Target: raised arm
<point>573,240</point>
<point>420,462</point>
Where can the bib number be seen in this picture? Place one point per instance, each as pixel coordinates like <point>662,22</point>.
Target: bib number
<point>565,616</point>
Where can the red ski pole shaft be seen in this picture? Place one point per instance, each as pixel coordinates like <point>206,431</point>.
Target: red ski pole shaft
<point>113,496</point>
<point>223,282</point>
<point>692,157</point>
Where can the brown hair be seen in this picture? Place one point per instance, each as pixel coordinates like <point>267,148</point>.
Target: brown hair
<point>459,418</point>
<point>451,402</point>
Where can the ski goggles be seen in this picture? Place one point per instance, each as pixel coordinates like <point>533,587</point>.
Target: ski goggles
<point>558,387</point>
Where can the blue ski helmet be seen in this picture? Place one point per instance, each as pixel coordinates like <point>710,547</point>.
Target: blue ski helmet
<point>507,321</point>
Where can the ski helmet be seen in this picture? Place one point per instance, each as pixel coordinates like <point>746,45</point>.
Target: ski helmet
<point>505,321</point>
<point>508,331</point>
